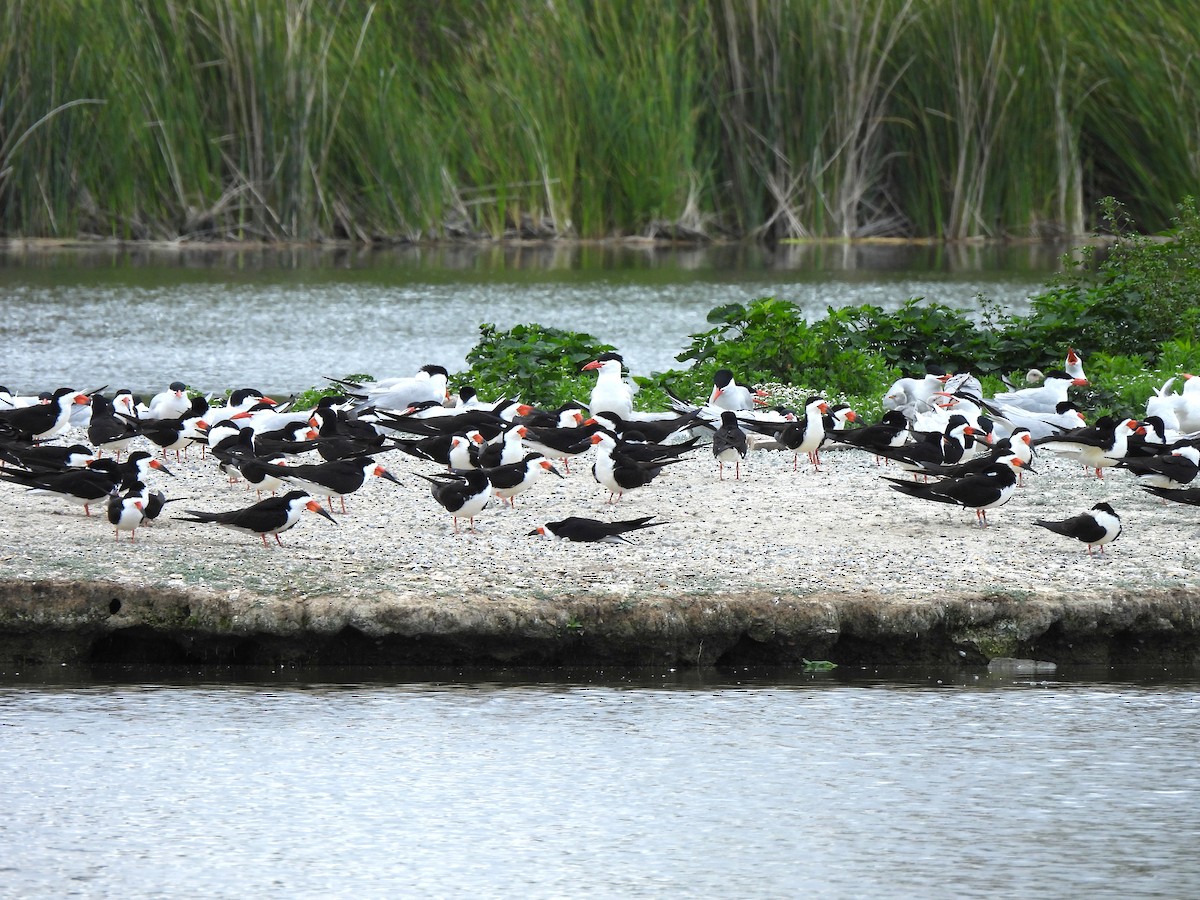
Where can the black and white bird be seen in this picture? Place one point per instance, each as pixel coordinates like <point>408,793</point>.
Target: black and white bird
<point>728,394</point>
<point>336,478</point>
<point>1098,526</point>
<point>464,494</point>
<point>575,528</point>
<point>729,444</point>
<point>41,421</point>
<point>987,490</point>
<point>619,471</point>
<point>806,434</point>
<point>1175,470</point>
<point>274,515</point>
<point>127,511</point>
<point>511,479</point>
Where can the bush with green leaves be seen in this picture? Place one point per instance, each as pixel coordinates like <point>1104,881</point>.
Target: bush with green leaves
<point>533,363</point>
<point>768,340</point>
<point>1128,298</point>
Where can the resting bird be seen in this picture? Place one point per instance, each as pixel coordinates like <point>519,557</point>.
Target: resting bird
<point>1098,526</point>
<point>574,528</point>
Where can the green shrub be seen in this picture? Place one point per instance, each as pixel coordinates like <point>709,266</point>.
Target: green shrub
<point>532,363</point>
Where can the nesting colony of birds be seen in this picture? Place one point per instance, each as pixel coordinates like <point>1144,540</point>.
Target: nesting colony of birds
<point>402,487</point>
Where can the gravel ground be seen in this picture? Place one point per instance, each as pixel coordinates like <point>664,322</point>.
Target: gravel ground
<point>788,532</point>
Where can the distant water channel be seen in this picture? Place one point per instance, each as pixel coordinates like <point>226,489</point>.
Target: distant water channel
<point>280,320</point>
<point>849,784</point>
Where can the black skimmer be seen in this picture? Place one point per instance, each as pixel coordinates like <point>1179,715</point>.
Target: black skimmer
<point>82,487</point>
<point>338,437</point>
<point>507,450</point>
<point>655,430</point>
<point>1174,471</point>
<point>274,515</point>
<point>574,528</point>
<point>619,472</point>
<point>564,443</point>
<point>456,451</point>
<point>1017,444</point>
<point>126,512</point>
<point>179,432</point>
<point>46,457</point>
<point>1098,526</point>
<point>155,502</point>
<point>612,392</point>
<point>109,431</point>
<point>987,490</point>
<point>728,394</point>
<point>806,434</point>
<point>936,449</point>
<point>1095,447</point>
<point>91,483</point>
<point>511,479</point>
<point>729,444</point>
<point>1190,496</point>
<point>334,479</point>
<point>837,419</point>
<point>41,421</point>
<point>890,432</point>
<point>462,494</point>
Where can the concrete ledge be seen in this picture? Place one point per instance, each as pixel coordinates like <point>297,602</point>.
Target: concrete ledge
<point>71,622</point>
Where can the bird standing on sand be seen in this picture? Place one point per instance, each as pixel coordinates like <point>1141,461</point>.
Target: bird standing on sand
<point>462,493</point>
<point>729,444</point>
<point>274,515</point>
<point>1098,526</point>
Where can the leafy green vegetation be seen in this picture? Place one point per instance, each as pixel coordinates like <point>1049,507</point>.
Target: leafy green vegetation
<point>1133,311</point>
<point>228,119</point>
<point>532,363</point>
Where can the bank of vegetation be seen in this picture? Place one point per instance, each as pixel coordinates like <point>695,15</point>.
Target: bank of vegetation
<point>305,120</point>
<point>1133,311</point>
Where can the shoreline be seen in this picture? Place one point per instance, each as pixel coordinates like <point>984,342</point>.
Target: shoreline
<point>45,623</point>
<point>776,568</point>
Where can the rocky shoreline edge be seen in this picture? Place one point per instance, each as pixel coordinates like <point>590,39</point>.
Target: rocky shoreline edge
<point>52,622</point>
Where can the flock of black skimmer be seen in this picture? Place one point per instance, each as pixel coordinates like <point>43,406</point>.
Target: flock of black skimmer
<point>950,444</point>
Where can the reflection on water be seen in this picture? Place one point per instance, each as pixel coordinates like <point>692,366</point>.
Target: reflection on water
<point>827,786</point>
<point>280,320</point>
<point>483,260</point>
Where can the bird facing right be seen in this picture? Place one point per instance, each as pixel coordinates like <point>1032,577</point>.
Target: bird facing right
<point>1098,526</point>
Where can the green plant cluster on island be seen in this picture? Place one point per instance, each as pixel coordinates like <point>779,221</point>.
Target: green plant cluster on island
<point>415,120</point>
<point>1133,312</point>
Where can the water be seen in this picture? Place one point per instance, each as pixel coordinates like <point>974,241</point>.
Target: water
<point>919,785</point>
<point>280,321</point>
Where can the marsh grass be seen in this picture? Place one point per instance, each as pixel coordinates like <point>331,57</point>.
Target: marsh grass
<point>305,120</point>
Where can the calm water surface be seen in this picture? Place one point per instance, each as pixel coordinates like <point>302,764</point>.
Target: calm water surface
<point>282,320</point>
<point>830,786</point>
